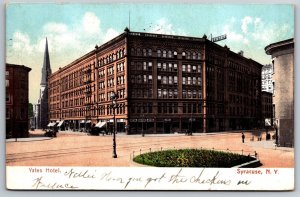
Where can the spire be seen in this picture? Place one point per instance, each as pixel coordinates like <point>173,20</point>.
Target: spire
<point>46,70</point>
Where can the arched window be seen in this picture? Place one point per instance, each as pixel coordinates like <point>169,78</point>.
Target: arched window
<point>158,53</point>
<point>183,55</point>
<point>149,52</point>
<point>132,51</point>
<point>117,54</point>
<point>164,53</point>
<point>198,55</point>
<point>169,54</point>
<point>144,52</point>
<point>194,55</point>
<point>175,53</point>
<point>188,54</point>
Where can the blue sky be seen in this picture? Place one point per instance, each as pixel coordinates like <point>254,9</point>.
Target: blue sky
<point>74,29</point>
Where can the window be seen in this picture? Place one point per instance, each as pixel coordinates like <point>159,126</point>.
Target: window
<point>145,66</point>
<point>7,73</point>
<point>171,93</point>
<point>189,93</point>
<point>158,79</point>
<point>198,56</point>
<point>194,80</point>
<point>194,55</point>
<point>183,68</point>
<point>170,67</point>
<point>158,66</point>
<point>183,93</point>
<point>170,80</point>
<point>175,67</point>
<point>149,65</point>
<point>164,80</point>
<point>165,93</point>
<point>175,53</point>
<point>183,80</point>
<point>164,53</point>
<point>189,81</point>
<point>183,55</point>
<point>164,66</point>
<point>7,83</point>
<point>199,68</point>
<point>158,53</point>
<point>149,52</point>
<point>175,80</point>
<point>188,55</point>
<point>189,68</point>
<point>199,80</point>
<point>175,93</point>
<point>132,53</point>
<point>194,68</point>
<point>138,51</point>
<point>159,93</point>
<point>144,52</point>
<point>169,54</point>
<point>150,79</point>
<point>194,93</point>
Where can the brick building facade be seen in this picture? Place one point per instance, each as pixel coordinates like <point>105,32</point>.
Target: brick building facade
<point>165,84</point>
<point>17,121</point>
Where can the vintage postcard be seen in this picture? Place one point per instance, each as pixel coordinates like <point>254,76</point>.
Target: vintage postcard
<point>149,96</point>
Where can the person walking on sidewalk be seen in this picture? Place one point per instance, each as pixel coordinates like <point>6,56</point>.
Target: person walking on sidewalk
<point>243,138</point>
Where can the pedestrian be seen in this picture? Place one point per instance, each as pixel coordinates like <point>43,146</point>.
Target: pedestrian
<point>243,137</point>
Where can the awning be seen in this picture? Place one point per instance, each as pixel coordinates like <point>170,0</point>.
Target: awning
<point>100,124</point>
<point>51,124</point>
<point>89,121</point>
<point>60,123</point>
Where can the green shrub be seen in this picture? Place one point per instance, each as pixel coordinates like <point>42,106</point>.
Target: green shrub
<point>192,158</point>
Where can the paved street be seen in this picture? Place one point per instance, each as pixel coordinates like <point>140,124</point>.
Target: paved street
<point>79,149</point>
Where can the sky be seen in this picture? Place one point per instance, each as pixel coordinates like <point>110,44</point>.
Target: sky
<point>73,30</point>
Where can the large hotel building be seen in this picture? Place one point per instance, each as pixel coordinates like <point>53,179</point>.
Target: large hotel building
<point>164,83</point>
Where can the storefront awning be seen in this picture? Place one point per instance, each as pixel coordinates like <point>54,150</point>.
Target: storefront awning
<point>60,123</point>
<point>100,124</point>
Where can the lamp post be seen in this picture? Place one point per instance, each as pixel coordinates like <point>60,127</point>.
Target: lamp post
<point>143,117</point>
<point>113,98</point>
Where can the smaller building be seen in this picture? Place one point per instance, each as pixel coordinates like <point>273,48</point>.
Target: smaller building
<point>17,121</point>
<point>266,78</point>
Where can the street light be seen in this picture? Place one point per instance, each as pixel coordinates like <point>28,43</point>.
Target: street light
<point>143,117</point>
<point>114,98</point>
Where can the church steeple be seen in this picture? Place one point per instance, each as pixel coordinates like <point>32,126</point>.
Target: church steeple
<point>46,70</point>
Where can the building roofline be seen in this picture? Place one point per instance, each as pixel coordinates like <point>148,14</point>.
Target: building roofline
<point>19,66</point>
<point>269,49</point>
<point>127,32</point>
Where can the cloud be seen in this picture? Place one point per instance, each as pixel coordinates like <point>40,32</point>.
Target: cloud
<point>66,43</point>
<point>91,23</point>
<point>21,43</point>
<point>245,22</point>
<point>110,34</point>
<point>163,26</point>
<point>53,27</point>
